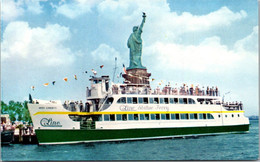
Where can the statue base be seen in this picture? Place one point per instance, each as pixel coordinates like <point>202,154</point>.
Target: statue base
<point>137,76</point>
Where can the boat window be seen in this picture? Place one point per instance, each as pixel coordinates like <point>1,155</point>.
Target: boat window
<point>157,116</point>
<point>219,116</point>
<point>167,116</point>
<point>180,100</point>
<point>171,101</point>
<point>124,117</point>
<point>118,117</point>
<point>238,115</point>
<point>106,117</point>
<point>130,117</point>
<point>163,116</point>
<point>135,116</point>
<point>146,116</point>
<point>129,100</point>
<point>232,115</point>
<point>202,116</point>
<point>109,100</point>
<point>209,116</point>
<point>175,117</point>
<point>175,100</point>
<point>151,100</point>
<point>184,116</point>
<point>135,100</point>
<point>191,101</point>
<point>166,100</point>
<point>121,100</point>
<point>156,100</point>
<point>152,116</point>
<point>193,116</point>
<point>226,116</point>
<point>140,100</point>
<point>100,118</point>
<point>185,101</point>
<point>96,81</point>
<point>112,117</point>
<point>141,116</point>
<point>161,100</point>
<point>145,100</point>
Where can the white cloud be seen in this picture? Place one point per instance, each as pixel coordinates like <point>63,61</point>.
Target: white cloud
<point>249,43</point>
<point>76,8</point>
<point>12,9</point>
<point>34,6</point>
<point>208,56</point>
<point>38,46</point>
<point>105,53</point>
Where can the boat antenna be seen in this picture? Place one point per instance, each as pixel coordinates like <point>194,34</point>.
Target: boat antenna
<point>224,96</point>
<point>115,68</point>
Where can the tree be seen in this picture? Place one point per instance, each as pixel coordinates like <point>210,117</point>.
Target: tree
<point>17,111</point>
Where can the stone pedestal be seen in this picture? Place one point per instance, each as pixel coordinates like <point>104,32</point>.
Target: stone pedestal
<point>137,76</point>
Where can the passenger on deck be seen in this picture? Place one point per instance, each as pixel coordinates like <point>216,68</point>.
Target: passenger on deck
<point>72,106</point>
<point>87,106</point>
<point>191,90</point>
<point>197,90</point>
<point>210,91</point>
<point>157,90</point>
<point>213,91</point>
<point>207,91</point>
<point>81,106</point>
<point>216,91</point>
<point>203,91</point>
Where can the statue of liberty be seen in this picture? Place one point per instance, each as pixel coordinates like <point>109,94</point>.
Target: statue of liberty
<point>135,44</point>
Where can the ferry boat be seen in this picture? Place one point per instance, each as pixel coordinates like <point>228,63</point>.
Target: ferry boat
<point>133,111</point>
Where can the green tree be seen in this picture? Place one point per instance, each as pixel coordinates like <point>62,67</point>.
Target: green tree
<point>27,116</point>
<point>17,111</point>
<point>4,108</point>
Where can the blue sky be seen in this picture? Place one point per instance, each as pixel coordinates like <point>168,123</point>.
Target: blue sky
<point>200,42</point>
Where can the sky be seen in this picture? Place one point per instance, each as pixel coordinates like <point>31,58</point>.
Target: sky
<point>199,42</point>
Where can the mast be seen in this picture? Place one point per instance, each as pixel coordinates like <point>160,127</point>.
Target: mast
<point>115,68</point>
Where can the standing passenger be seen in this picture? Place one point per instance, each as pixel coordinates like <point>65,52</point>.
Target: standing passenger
<point>197,90</point>
<point>81,106</point>
<point>210,91</point>
<point>216,91</point>
<point>213,91</point>
<point>203,91</point>
<point>207,91</point>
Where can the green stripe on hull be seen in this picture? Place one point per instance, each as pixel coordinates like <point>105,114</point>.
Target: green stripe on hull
<point>74,136</point>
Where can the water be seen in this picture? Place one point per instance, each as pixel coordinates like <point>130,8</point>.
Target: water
<point>242,146</point>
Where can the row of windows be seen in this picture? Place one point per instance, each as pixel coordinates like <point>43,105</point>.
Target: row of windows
<point>124,117</point>
<point>154,100</point>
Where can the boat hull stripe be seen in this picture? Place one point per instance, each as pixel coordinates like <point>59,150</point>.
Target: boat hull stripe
<point>59,136</point>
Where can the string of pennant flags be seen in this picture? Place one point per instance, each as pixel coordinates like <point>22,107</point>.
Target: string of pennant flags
<point>95,73</point>
<point>66,78</point>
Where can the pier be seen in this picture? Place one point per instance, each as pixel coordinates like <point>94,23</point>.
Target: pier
<point>24,137</point>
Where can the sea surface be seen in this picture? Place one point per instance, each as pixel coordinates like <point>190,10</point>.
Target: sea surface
<point>241,146</point>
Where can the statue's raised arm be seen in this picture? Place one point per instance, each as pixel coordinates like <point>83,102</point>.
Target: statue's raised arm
<point>143,21</point>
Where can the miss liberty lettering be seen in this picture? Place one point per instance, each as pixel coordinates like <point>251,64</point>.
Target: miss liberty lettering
<point>49,123</point>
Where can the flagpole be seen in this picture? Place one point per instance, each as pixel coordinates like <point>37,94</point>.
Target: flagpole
<point>115,68</point>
